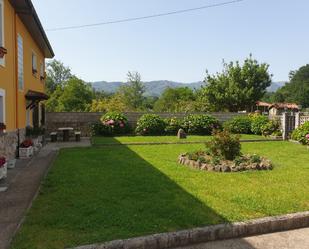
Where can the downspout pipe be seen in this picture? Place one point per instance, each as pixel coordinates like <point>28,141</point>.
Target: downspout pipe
<point>16,84</point>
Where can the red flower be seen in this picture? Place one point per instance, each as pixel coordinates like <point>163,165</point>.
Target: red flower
<point>2,161</point>
<point>26,144</point>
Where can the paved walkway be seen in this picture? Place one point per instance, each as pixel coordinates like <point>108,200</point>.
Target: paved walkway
<point>22,185</point>
<point>294,239</point>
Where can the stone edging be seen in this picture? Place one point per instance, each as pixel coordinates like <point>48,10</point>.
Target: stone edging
<point>209,233</point>
<point>168,143</point>
<point>264,164</point>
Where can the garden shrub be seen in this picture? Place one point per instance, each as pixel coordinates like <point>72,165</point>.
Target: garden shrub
<point>98,129</point>
<point>239,125</point>
<point>301,133</point>
<point>224,145</point>
<point>150,124</point>
<point>172,125</point>
<point>270,128</point>
<point>257,122</point>
<point>34,131</point>
<point>200,124</point>
<point>112,123</point>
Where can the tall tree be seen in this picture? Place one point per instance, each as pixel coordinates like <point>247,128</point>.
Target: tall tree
<point>175,100</point>
<point>237,87</point>
<point>133,91</point>
<point>57,73</point>
<point>74,95</point>
<point>297,90</point>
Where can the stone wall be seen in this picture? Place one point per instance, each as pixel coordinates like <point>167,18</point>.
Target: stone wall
<point>9,142</point>
<point>82,120</point>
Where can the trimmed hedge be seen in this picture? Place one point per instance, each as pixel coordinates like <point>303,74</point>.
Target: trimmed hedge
<point>300,133</point>
<point>112,123</point>
<point>150,124</point>
<point>172,125</point>
<point>257,123</point>
<point>239,125</point>
<point>200,124</point>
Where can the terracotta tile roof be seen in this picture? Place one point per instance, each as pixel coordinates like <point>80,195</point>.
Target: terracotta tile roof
<point>285,106</point>
<point>260,103</point>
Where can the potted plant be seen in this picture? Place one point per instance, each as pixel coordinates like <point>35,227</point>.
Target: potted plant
<point>2,128</point>
<point>26,149</point>
<point>3,168</point>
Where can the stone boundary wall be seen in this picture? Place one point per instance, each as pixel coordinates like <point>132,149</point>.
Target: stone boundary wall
<point>82,120</point>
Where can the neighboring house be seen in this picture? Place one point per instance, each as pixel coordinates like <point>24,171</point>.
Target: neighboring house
<point>276,108</point>
<point>23,49</point>
<point>279,108</point>
<point>263,107</point>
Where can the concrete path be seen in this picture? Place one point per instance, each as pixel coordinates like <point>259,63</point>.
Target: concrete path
<point>22,185</point>
<point>294,239</point>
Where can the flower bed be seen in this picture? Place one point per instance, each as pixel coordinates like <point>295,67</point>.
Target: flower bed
<point>223,154</point>
<point>26,149</point>
<point>209,163</point>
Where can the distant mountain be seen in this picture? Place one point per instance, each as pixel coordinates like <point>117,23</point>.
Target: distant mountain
<point>275,86</point>
<point>156,88</point>
<point>153,88</point>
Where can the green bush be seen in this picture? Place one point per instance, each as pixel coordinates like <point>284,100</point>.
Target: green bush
<point>239,125</point>
<point>111,123</point>
<point>272,127</point>
<point>34,131</point>
<point>224,145</point>
<point>172,125</point>
<point>257,122</point>
<point>116,123</point>
<point>150,124</point>
<point>300,133</point>
<point>98,129</point>
<point>200,124</point>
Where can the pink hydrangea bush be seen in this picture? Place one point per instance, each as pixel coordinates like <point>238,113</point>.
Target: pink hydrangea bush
<point>114,123</point>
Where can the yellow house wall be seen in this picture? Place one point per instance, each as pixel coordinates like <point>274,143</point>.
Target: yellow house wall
<point>8,72</point>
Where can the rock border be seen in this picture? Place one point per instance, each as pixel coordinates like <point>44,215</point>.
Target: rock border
<point>264,165</point>
<point>209,233</point>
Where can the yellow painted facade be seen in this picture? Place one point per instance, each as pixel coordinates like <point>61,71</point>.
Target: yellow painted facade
<point>16,115</point>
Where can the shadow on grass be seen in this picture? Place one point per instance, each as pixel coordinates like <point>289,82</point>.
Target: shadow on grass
<point>98,194</point>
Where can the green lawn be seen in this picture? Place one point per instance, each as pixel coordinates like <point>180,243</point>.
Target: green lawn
<point>158,139</point>
<point>103,193</point>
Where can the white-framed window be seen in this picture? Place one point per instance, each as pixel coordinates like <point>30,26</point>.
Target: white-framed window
<point>34,63</point>
<point>20,65</point>
<point>2,61</point>
<point>42,73</point>
<point>2,106</point>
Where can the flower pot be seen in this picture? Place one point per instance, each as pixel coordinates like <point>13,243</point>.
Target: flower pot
<point>25,153</point>
<point>11,164</point>
<point>3,171</point>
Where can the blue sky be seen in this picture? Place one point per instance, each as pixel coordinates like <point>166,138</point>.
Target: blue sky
<point>179,47</point>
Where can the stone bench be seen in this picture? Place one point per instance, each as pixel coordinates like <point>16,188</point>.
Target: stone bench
<point>53,137</point>
<point>77,136</point>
